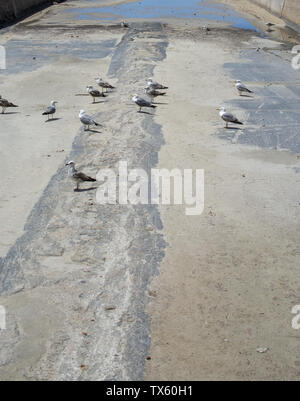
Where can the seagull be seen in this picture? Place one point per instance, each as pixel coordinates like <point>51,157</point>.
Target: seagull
<point>269,25</point>
<point>5,104</point>
<point>155,85</point>
<point>94,93</point>
<point>142,102</point>
<point>206,29</point>
<point>242,88</point>
<point>153,93</point>
<point>103,84</point>
<point>228,117</point>
<point>51,109</point>
<point>87,120</point>
<point>77,176</point>
<point>124,24</point>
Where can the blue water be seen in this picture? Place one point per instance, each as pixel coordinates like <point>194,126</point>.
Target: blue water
<point>165,9</point>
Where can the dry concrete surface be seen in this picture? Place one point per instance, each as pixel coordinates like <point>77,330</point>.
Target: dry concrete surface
<point>145,292</point>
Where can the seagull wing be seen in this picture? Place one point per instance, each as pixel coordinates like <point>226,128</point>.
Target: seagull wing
<point>83,177</point>
<point>243,88</point>
<point>49,110</point>
<point>142,102</point>
<point>229,117</point>
<point>86,119</point>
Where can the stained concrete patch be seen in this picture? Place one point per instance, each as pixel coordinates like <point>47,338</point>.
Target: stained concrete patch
<point>272,114</point>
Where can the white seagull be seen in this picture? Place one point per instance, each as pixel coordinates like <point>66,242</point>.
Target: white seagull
<point>142,102</point>
<point>77,176</point>
<point>155,85</point>
<point>242,88</point>
<point>87,120</point>
<point>228,117</point>
<point>51,110</point>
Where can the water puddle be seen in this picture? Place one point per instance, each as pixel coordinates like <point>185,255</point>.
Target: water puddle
<point>164,9</point>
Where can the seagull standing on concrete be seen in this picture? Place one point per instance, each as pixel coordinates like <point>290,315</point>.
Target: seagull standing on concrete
<point>51,110</point>
<point>155,85</point>
<point>142,102</point>
<point>242,88</point>
<point>87,120</point>
<point>228,117</point>
<point>124,24</point>
<point>153,93</point>
<point>94,93</point>
<point>103,84</point>
<point>5,104</point>
<point>77,176</point>
<point>269,26</point>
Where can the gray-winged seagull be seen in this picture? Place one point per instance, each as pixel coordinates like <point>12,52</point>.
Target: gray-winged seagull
<point>87,120</point>
<point>77,176</point>
<point>142,102</point>
<point>242,88</point>
<point>228,117</point>
<point>155,85</point>
<point>51,110</point>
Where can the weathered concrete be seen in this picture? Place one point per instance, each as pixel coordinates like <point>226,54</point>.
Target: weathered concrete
<point>289,9</point>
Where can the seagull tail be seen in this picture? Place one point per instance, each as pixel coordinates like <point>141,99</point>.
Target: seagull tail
<point>12,105</point>
<point>249,91</point>
<point>239,122</point>
<point>153,106</point>
<point>91,179</point>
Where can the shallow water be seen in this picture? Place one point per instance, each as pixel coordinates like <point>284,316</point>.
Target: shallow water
<point>164,9</point>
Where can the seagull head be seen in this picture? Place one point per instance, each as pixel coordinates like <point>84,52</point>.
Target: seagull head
<point>88,88</point>
<point>150,80</point>
<point>221,109</point>
<point>238,81</point>
<point>53,102</point>
<point>70,163</point>
<point>81,113</point>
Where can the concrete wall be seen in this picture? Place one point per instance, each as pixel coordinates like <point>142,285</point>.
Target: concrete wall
<point>289,9</point>
<point>12,9</point>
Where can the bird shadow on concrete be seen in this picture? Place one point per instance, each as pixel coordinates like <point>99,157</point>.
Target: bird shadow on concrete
<point>159,103</point>
<point>145,112</point>
<point>251,97</point>
<point>233,128</point>
<point>52,119</point>
<point>10,112</point>
<point>85,189</point>
<point>102,101</point>
<point>94,131</point>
